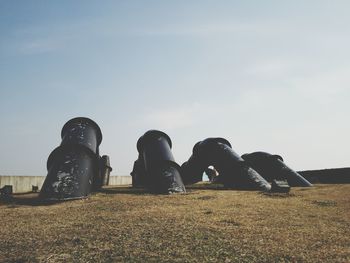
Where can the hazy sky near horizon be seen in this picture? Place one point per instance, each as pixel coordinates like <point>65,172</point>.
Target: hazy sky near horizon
<point>266,75</point>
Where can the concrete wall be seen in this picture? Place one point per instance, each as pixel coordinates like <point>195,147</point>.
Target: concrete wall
<point>328,176</point>
<point>120,180</point>
<point>22,184</point>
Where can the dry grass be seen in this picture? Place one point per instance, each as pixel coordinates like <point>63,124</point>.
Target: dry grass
<point>205,225</point>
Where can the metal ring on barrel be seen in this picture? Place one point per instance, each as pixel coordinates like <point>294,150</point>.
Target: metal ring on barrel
<point>84,131</point>
<point>162,172</point>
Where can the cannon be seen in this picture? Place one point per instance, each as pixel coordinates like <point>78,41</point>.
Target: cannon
<point>73,167</point>
<point>156,167</point>
<point>234,172</point>
<point>83,131</point>
<point>272,166</point>
<point>71,172</point>
<point>138,173</point>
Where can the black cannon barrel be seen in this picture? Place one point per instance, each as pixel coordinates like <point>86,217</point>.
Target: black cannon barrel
<point>102,177</point>
<point>272,167</point>
<point>162,172</point>
<point>105,169</point>
<point>155,146</point>
<point>82,131</point>
<point>167,178</point>
<point>71,169</point>
<point>233,170</point>
<point>74,167</point>
<point>138,173</point>
<point>193,168</point>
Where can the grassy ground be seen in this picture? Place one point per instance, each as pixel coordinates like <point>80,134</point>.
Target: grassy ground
<point>205,225</point>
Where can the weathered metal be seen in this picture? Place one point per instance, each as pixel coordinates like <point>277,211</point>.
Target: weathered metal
<point>105,169</point>
<point>6,190</point>
<point>82,131</point>
<point>71,171</point>
<point>233,170</point>
<point>161,170</point>
<point>273,167</point>
<point>73,167</point>
<point>280,186</point>
<point>138,173</point>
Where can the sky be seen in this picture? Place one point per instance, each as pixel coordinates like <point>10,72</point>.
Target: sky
<point>268,76</point>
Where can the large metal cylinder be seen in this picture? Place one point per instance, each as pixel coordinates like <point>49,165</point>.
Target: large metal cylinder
<point>71,170</point>
<point>233,170</point>
<point>272,167</point>
<point>102,177</point>
<point>105,169</point>
<point>193,168</point>
<point>73,167</point>
<point>138,173</point>
<point>163,173</point>
<point>155,146</point>
<point>82,131</point>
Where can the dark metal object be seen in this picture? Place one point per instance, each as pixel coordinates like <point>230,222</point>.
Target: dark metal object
<point>272,167</point>
<point>71,170</point>
<point>82,131</point>
<point>139,176</point>
<point>161,170</point>
<point>233,170</point>
<point>6,190</point>
<point>192,170</point>
<point>278,186</point>
<point>105,169</point>
<point>73,167</point>
<point>6,193</point>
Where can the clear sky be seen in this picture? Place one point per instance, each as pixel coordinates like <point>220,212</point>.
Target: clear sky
<point>266,75</point>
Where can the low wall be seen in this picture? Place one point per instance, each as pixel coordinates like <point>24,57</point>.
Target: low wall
<point>22,184</point>
<point>328,176</point>
<point>120,180</point>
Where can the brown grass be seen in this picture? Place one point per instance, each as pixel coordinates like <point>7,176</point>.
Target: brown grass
<point>205,225</point>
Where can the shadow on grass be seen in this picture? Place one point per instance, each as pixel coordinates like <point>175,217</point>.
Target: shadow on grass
<point>217,186</point>
<point>29,199</point>
<point>206,186</point>
<point>133,191</point>
<point>124,190</point>
<point>145,191</point>
<point>33,199</point>
<point>278,195</point>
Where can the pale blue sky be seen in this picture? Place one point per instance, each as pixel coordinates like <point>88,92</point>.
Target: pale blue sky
<point>266,75</point>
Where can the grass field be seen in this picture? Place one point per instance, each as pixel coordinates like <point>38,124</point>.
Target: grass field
<point>205,225</point>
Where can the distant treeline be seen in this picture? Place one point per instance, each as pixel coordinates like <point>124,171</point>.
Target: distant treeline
<point>328,176</point>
